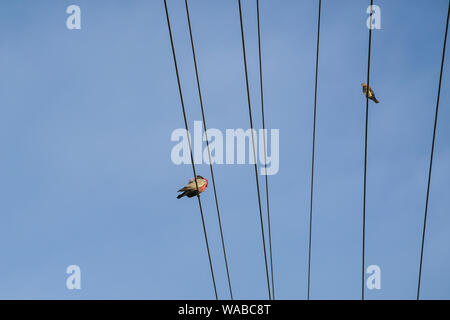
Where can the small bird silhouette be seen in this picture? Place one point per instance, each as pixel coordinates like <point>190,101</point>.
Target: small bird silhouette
<point>369,93</point>
<point>190,189</point>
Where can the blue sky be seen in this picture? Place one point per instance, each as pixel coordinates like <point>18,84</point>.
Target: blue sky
<point>86,176</point>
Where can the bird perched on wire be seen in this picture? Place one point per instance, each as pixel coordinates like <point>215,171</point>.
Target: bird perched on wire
<point>190,189</point>
<point>369,93</point>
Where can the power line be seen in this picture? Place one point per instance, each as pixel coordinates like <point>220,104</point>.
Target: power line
<point>254,150</point>
<point>432,153</point>
<point>313,152</point>
<point>207,144</point>
<point>190,149</point>
<point>265,146</point>
<point>365,155</point>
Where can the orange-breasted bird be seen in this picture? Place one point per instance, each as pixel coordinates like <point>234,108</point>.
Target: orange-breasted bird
<point>190,189</point>
<point>369,93</point>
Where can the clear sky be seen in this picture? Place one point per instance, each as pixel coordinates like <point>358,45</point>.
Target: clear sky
<point>86,176</point>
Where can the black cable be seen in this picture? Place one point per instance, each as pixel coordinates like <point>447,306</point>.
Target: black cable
<point>432,153</point>
<point>313,152</point>
<point>207,144</point>
<point>265,147</point>
<point>365,156</point>
<point>254,150</point>
<point>190,149</point>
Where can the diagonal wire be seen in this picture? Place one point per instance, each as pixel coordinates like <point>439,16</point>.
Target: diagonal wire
<point>313,153</point>
<point>207,144</point>
<point>265,146</point>
<point>190,149</point>
<point>365,156</point>
<point>254,150</point>
<point>432,153</point>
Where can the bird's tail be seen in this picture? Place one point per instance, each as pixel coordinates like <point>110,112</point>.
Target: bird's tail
<point>181,195</point>
<point>375,100</point>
